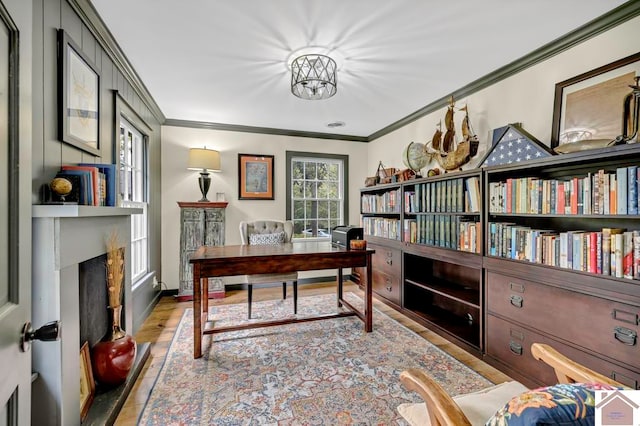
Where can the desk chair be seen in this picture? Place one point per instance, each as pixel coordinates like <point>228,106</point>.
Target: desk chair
<point>477,408</point>
<point>269,232</point>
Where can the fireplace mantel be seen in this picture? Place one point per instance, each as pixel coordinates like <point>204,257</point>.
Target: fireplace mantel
<point>63,237</point>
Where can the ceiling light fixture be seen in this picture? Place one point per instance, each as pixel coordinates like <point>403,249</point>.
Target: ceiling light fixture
<point>313,77</point>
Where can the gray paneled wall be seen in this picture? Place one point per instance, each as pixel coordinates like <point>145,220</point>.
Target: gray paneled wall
<point>49,153</point>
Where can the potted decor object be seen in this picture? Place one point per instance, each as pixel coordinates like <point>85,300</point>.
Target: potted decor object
<point>113,356</point>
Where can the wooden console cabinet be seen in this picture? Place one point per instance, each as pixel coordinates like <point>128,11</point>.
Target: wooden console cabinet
<point>201,223</point>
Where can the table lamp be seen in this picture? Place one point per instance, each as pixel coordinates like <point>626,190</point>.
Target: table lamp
<point>205,160</point>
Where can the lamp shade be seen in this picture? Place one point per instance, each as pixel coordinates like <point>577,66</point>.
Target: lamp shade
<point>204,159</point>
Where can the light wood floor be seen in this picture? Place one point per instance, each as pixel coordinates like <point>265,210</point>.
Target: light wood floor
<point>160,326</point>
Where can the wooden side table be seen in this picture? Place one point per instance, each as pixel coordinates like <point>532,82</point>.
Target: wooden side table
<point>201,223</point>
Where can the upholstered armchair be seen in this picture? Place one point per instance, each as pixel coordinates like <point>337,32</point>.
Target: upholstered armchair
<point>261,232</point>
<point>567,403</point>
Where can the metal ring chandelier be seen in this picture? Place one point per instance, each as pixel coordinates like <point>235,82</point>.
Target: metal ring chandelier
<point>313,77</point>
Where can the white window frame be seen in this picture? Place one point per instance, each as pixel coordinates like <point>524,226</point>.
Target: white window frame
<point>343,163</point>
<point>133,191</point>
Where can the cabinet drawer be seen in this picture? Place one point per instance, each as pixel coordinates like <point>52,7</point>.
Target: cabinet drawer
<point>601,325</point>
<point>386,259</point>
<point>511,344</point>
<point>387,285</point>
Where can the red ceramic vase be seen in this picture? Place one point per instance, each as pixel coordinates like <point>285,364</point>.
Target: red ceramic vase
<point>112,357</point>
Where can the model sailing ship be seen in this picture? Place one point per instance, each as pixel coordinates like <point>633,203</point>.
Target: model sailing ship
<point>444,150</point>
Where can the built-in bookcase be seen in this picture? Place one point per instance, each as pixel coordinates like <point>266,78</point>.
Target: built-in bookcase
<point>497,258</point>
<point>427,234</point>
<point>562,258</point>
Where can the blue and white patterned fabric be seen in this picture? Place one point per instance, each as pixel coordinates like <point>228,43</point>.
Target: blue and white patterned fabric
<point>266,239</point>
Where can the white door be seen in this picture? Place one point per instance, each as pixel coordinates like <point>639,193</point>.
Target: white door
<point>15,209</point>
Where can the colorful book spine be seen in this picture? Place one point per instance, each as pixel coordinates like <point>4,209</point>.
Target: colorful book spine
<point>632,184</point>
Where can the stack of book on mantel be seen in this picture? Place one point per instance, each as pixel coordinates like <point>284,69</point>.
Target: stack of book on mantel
<point>93,184</point>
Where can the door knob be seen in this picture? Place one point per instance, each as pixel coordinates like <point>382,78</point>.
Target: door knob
<point>47,333</point>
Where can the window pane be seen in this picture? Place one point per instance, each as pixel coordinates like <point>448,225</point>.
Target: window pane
<point>297,189</point>
<point>298,227</point>
<point>322,190</point>
<point>323,228</point>
<point>323,210</point>
<point>311,228</point>
<point>310,190</point>
<point>297,171</point>
<point>333,172</point>
<point>310,171</point>
<point>334,212</point>
<point>332,189</point>
<point>298,209</point>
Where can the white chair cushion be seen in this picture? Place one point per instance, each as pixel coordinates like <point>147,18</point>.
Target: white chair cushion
<point>478,406</point>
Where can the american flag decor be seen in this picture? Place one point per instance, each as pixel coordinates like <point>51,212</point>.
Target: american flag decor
<point>511,144</point>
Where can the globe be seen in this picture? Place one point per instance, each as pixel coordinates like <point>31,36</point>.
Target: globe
<point>61,187</point>
<point>415,157</point>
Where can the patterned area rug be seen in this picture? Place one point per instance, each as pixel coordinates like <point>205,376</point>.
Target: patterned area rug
<point>325,372</point>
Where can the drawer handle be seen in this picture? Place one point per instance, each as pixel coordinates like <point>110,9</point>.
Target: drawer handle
<point>515,347</point>
<point>389,262</point>
<point>389,288</point>
<point>625,335</point>
<point>516,300</point>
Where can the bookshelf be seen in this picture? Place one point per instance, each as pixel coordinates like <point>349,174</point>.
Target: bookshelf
<point>562,262</point>
<point>430,268</point>
<point>539,270</point>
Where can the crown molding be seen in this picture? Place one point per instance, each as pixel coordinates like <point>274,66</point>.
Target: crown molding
<point>107,41</point>
<point>261,130</point>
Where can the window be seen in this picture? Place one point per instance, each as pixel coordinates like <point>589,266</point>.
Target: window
<point>133,193</point>
<point>317,193</point>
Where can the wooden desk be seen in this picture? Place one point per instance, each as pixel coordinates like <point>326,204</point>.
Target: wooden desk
<point>262,259</point>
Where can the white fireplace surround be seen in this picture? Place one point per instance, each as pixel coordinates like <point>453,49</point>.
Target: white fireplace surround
<point>63,237</point>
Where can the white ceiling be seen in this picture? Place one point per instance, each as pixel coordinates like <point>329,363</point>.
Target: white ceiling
<point>224,62</point>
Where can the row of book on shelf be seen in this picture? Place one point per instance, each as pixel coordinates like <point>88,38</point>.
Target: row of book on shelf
<point>387,202</point>
<point>444,196</point>
<point>454,232</point>
<point>381,227</point>
<point>611,251</point>
<point>602,192</point>
<point>92,184</point>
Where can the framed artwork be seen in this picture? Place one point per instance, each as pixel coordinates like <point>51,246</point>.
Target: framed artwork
<point>87,384</point>
<point>589,106</point>
<point>78,97</point>
<point>255,177</point>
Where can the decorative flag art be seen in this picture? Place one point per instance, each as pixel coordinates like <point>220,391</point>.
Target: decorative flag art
<point>511,144</point>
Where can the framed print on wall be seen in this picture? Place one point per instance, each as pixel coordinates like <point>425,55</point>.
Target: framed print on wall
<point>589,106</point>
<point>255,177</point>
<point>78,97</point>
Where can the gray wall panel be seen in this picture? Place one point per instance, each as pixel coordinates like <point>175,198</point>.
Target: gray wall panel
<point>49,153</point>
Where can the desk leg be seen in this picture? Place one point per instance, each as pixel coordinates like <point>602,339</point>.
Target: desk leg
<point>340,279</point>
<point>205,298</point>
<point>368,295</point>
<point>197,312</point>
